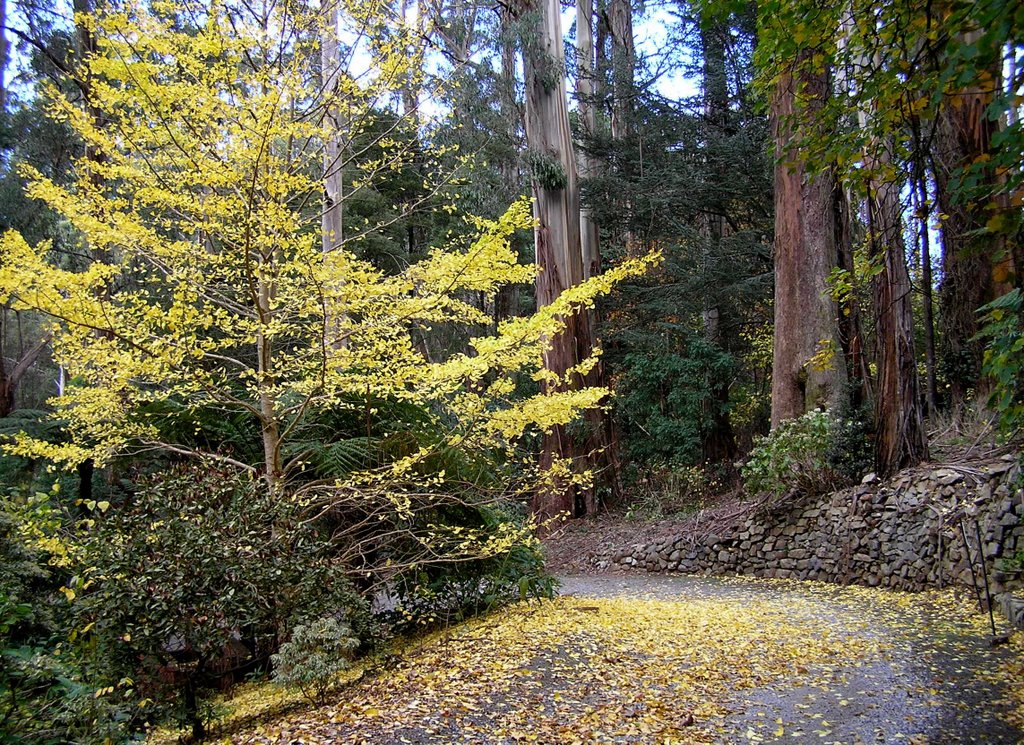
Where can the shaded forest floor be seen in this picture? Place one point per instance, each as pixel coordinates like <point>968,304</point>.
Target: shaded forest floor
<point>586,546</point>
<point>649,659</point>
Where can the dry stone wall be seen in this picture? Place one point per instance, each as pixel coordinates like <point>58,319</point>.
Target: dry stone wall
<point>904,533</point>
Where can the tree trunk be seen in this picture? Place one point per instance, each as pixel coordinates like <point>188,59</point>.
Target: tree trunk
<point>333,231</point>
<point>332,218</point>
<point>922,213</point>
<point>192,714</point>
<point>87,47</point>
<point>506,300</point>
<point>269,416</point>
<point>851,330</point>
<point>5,53</point>
<point>977,266</point>
<point>623,64</point>
<point>620,26</point>
<point>586,89</point>
<point>413,13</point>
<point>11,379</point>
<point>6,399</point>
<point>85,470</point>
<point>899,427</point>
<point>806,369</point>
<point>586,103</point>
<point>557,240</point>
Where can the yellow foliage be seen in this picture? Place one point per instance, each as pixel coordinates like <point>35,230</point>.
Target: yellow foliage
<point>200,200</point>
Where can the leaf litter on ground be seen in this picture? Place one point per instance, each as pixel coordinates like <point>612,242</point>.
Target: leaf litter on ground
<point>706,661</point>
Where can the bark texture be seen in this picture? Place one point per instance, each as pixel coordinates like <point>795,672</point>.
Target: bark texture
<point>558,249</point>
<point>586,106</point>
<point>332,230</point>
<point>808,369</point>
<point>899,426</point>
<point>11,378</point>
<point>851,328</point>
<point>919,190</point>
<point>5,50</point>
<point>620,26</point>
<point>506,300</point>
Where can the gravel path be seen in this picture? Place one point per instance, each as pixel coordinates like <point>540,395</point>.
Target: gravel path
<point>933,680</point>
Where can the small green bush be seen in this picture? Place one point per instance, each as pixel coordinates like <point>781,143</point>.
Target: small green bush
<point>314,657</point>
<point>197,578</point>
<point>795,456</point>
<point>850,449</point>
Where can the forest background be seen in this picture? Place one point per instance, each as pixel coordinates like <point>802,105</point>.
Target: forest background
<point>279,329</point>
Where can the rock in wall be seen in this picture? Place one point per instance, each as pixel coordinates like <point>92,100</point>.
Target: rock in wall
<point>904,533</point>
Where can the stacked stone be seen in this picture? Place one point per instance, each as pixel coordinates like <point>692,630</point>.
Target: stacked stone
<point>895,534</point>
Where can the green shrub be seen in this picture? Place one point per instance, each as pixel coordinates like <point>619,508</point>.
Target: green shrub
<point>315,655</point>
<point>795,456</point>
<point>850,450</point>
<point>197,578</point>
<point>38,424</point>
<point>22,633</point>
<point>663,398</point>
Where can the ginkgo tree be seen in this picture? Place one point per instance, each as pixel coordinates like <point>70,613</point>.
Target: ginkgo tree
<point>203,194</point>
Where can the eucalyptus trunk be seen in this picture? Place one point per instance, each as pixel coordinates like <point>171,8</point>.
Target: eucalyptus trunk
<point>557,241</point>
<point>506,300</point>
<point>586,107</point>
<point>620,25</point>
<point>623,65</point>
<point>5,53</point>
<point>900,438</point>
<point>87,46</point>
<point>331,221</point>
<point>807,369</point>
<point>332,218</point>
<point>851,328</point>
<point>919,191</point>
